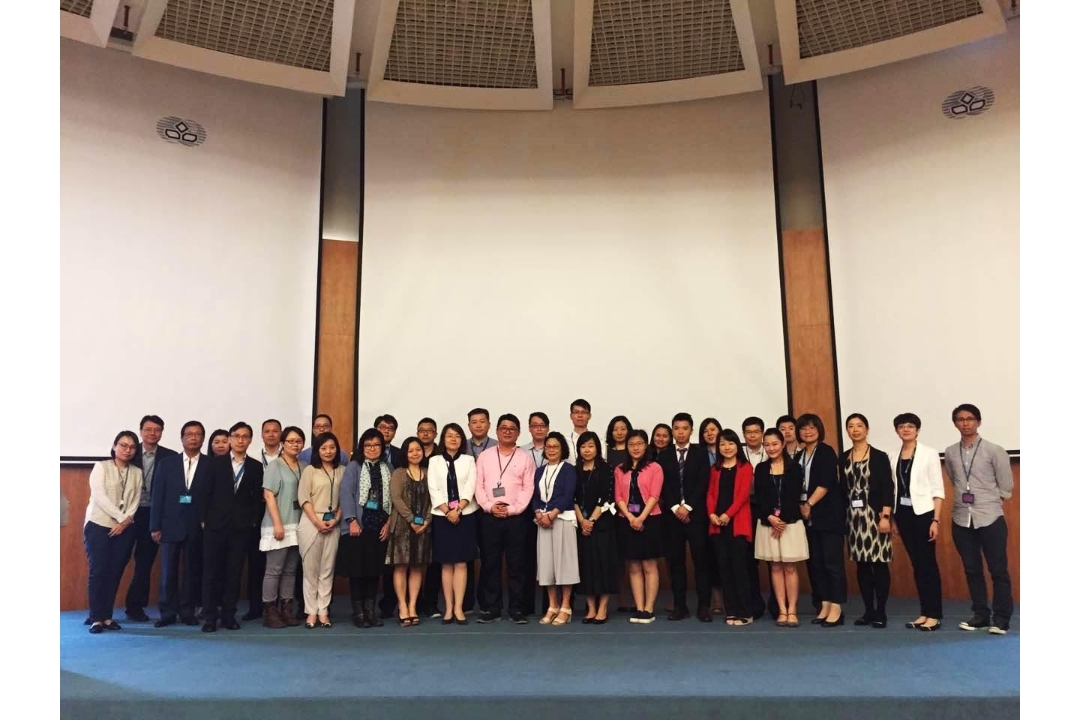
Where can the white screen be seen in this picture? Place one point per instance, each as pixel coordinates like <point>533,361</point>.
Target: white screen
<point>517,261</point>
<point>924,230</point>
<point>188,273</point>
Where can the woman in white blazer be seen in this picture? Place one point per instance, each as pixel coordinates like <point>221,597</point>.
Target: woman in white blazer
<point>920,492</point>
<point>451,477</point>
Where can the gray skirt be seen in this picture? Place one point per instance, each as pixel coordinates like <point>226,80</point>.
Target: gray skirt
<point>556,554</point>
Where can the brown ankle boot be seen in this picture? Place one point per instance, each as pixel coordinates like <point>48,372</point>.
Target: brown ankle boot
<point>288,615</point>
<point>271,616</point>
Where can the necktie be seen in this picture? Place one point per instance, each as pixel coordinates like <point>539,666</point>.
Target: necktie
<point>187,475</point>
<point>682,466</point>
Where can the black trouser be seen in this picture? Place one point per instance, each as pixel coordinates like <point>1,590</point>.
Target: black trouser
<point>256,570</point>
<point>107,558</point>
<point>530,571</point>
<point>299,592</point>
<point>757,605</point>
<point>503,537</point>
<point>678,536</point>
<point>874,580</point>
<point>363,589</point>
<point>179,597</point>
<point>223,564</point>
<point>990,542</point>
<point>827,565</point>
<point>138,594</point>
<point>915,532</point>
<point>730,553</point>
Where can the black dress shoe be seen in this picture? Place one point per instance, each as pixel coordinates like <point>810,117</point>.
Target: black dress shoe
<point>880,623</point>
<point>112,625</point>
<point>209,626</point>
<point>164,622</point>
<point>587,621</point>
<point>488,617</point>
<point>229,623</point>
<point>137,615</point>
<point>834,623</point>
<point>96,628</point>
<point>448,621</point>
<point>705,615</point>
<point>189,620</point>
<point>817,621</point>
<point>597,621</point>
<point>88,621</point>
<point>864,620</point>
<point>679,614</point>
<point>462,621</point>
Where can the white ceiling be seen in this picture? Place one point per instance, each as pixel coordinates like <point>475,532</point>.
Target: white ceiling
<point>514,54</point>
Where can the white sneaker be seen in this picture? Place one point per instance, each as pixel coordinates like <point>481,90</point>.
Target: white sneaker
<point>995,630</point>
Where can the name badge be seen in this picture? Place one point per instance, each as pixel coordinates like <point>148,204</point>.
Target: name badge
<point>453,504</point>
<point>371,505</point>
<point>968,498</point>
<point>417,520</point>
<point>802,497</point>
<point>327,516</point>
<point>905,501</point>
<point>634,507</point>
<point>185,499</point>
<point>498,492</point>
<point>856,503</point>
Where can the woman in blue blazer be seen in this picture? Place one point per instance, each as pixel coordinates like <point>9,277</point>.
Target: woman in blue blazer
<point>556,541</point>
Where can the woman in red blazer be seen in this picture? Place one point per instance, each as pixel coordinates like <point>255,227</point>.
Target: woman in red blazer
<point>730,525</point>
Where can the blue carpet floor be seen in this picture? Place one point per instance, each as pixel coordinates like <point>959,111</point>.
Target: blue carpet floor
<point>618,670</point>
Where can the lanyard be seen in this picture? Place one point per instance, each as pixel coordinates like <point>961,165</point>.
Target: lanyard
<point>331,479</point>
<point>634,492</point>
<point>806,461</point>
<point>550,472</point>
<point>502,468</point>
<point>237,477</point>
<point>123,482</point>
<point>473,446</point>
<point>778,484</point>
<point>537,459</point>
<point>971,466</point>
<point>905,483</point>
<point>417,498</point>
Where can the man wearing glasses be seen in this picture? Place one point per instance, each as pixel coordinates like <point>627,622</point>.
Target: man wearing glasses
<point>387,425</point>
<point>504,490</point>
<point>230,505</point>
<point>580,414</point>
<point>320,425</point>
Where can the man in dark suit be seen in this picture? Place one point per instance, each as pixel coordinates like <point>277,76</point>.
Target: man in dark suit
<point>148,457</point>
<point>686,481</point>
<point>230,505</point>
<point>174,524</point>
<point>387,425</point>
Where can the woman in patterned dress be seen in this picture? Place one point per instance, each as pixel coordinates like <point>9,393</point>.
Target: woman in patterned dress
<point>868,479</point>
<point>409,550</point>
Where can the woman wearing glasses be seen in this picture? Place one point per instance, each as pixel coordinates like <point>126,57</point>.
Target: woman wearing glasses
<point>638,482</point>
<point>115,487</point>
<point>281,485</point>
<point>366,506</point>
<point>318,493</point>
<point>556,544</point>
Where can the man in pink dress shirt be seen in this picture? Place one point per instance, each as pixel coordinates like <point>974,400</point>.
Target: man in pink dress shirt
<point>504,488</point>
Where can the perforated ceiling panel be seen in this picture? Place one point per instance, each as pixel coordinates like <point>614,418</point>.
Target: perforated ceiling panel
<point>463,43</point>
<point>287,32</point>
<point>77,7</point>
<point>645,41</point>
<point>828,26</point>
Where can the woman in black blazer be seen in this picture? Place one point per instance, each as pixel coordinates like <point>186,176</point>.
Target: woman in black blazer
<point>823,507</point>
<point>780,535</point>
<point>868,481</point>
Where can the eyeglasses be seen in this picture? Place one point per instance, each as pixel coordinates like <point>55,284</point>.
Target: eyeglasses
<point>240,436</point>
<point>372,446</point>
<point>294,441</point>
<point>536,426</point>
<point>125,446</point>
<point>383,427</point>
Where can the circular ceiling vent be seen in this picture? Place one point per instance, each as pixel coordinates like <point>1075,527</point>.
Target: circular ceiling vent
<point>181,131</point>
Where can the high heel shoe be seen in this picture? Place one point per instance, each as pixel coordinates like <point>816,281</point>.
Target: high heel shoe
<point>568,612</point>
<point>549,616</point>
<point>838,621</point>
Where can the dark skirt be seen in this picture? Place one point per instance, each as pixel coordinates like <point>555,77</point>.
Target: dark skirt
<point>453,543</point>
<point>645,545</point>
<point>363,556</point>
<point>598,560</point>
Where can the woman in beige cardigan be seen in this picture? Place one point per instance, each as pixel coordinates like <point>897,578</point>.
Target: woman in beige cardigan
<point>409,550</point>
<point>115,487</point>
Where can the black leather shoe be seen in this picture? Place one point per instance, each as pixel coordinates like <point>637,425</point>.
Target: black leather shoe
<point>88,621</point>
<point>137,615</point>
<point>817,621</point>
<point>209,626</point>
<point>164,622</point>
<point>880,623</point>
<point>229,623</point>
<point>462,621</point>
<point>112,625</point>
<point>96,628</point>
<point>864,620</point>
<point>838,621</point>
<point>679,614</point>
<point>704,615</point>
<point>488,617</point>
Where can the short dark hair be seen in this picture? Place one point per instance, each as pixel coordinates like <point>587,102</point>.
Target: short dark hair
<point>358,451</point>
<point>683,417</point>
<point>426,421</point>
<point>376,421</point>
<point>732,437</point>
<point>156,419</point>
<point>543,417</point>
<point>784,419</point>
<point>611,430</point>
<point>956,411</point>
<point>564,447</point>
<point>907,417</point>
<point>388,419</point>
<point>320,440</point>
<point>650,451</point>
<point>857,416</point>
<point>589,436</point>
<point>123,433</point>
<point>241,426</point>
<point>581,403</point>
<point>323,415</point>
<point>510,417</point>
<point>271,420</point>
<point>190,423</point>
<point>811,419</point>
<point>292,429</point>
<point>751,421</point>
<point>704,424</point>
<point>460,433</point>
<point>479,411</point>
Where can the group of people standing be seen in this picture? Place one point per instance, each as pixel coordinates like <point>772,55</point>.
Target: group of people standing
<point>567,512</point>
